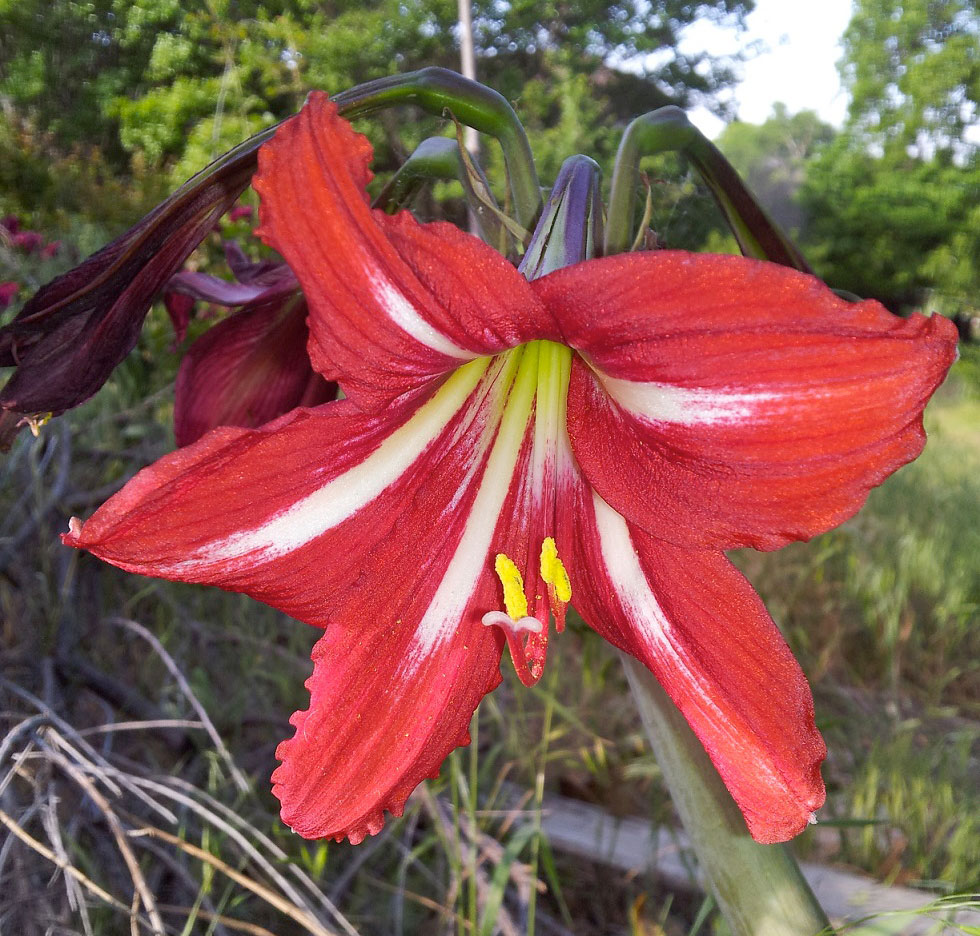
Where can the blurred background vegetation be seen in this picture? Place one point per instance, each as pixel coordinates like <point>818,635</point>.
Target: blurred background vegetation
<point>115,742</point>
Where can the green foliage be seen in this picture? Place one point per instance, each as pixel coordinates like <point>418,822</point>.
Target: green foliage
<point>913,70</point>
<point>887,208</point>
<point>925,793</point>
<point>893,229</point>
<point>893,201</point>
<point>139,75</point>
<point>59,65</point>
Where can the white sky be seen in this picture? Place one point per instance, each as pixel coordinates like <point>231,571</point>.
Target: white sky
<point>798,49</point>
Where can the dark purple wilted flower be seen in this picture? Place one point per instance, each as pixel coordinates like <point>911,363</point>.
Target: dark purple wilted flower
<point>70,336</point>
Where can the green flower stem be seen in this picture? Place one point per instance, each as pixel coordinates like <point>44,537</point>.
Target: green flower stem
<point>440,158</point>
<point>434,158</point>
<point>668,129</point>
<point>443,92</point>
<point>433,89</point>
<point>759,888</point>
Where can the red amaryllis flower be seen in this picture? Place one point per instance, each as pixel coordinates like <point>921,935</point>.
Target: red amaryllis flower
<point>599,434</point>
<point>252,366</point>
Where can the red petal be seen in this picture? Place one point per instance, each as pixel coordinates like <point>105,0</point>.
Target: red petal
<point>692,618</point>
<point>247,370</point>
<point>268,511</point>
<point>414,495</point>
<point>377,725</point>
<point>179,308</point>
<point>733,402</point>
<point>383,527</point>
<point>392,302</point>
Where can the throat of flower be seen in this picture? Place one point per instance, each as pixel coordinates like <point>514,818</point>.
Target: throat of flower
<point>530,469</point>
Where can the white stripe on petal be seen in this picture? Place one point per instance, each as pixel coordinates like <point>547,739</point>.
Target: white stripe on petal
<point>651,624</point>
<point>689,406</point>
<point>344,495</point>
<point>468,563</point>
<point>397,307</point>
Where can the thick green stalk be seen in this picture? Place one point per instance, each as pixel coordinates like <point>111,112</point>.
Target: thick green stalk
<point>759,888</point>
<point>668,129</point>
<point>444,93</point>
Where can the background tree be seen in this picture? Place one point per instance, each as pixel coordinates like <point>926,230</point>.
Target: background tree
<point>912,68</point>
<point>893,201</point>
<point>174,84</point>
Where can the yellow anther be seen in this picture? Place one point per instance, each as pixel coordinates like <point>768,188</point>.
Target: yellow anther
<point>34,423</point>
<point>553,572</point>
<point>515,601</point>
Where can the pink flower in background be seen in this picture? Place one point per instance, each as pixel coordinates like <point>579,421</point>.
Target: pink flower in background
<point>240,212</point>
<point>8,290</point>
<point>28,241</point>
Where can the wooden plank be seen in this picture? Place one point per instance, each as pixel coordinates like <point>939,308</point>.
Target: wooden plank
<point>632,846</point>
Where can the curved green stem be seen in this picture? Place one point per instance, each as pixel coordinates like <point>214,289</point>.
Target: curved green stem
<point>439,158</point>
<point>433,89</point>
<point>759,888</point>
<point>668,129</point>
<point>440,91</point>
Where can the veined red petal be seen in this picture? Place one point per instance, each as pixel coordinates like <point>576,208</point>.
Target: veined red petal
<point>692,618</point>
<point>729,402</point>
<point>267,511</point>
<point>247,370</point>
<point>179,308</point>
<point>384,529</point>
<point>392,302</point>
<point>379,721</point>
